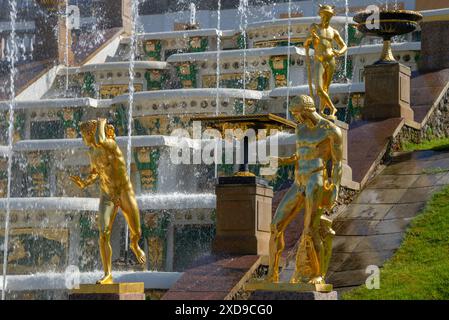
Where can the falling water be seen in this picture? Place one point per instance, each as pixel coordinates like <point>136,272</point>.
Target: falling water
<point>289,35</point>
<point>242,9</point>
<point>219,33</point>
<point>12,55</point>
<point>217,97</point>
<point>346,36</point>
<point>133,48</point>
<point>66,55</point>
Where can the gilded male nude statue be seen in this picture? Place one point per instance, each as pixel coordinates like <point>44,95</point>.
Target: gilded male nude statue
<point>322,36</point>
<point>318,141</point>
<point>109,166</point>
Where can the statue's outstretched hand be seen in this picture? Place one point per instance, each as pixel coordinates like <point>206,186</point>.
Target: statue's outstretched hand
<point>78,181</point>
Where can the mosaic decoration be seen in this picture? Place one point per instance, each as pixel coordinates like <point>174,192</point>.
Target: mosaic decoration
<point>32,250</point>
<point>88,242</point>
<point>155,79</point>
<point>152,49</point>
<point>88,87</point>
<point>255,81</point>
<point>70,118</point>
<point>187,75</point>
<point>154,230</point>
<point>38,174</point>
<point>298,42</point>
<point>198,44</point>
<point>3,179</point>
<point>278,65</point>
<point>147,159</point>
<point>120,120</point>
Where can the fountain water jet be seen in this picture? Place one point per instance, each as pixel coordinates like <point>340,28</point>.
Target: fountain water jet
<point>12,53</point>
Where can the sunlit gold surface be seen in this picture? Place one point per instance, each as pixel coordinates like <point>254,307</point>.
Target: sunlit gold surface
<point>118,288</point>
<point>321,36</point>
<point>109,167</point>
<point>318,141</point>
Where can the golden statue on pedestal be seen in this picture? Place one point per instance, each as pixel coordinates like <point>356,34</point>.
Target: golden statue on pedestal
<point>321,36</point>
<point>318,141</point>
<point>109,166</point>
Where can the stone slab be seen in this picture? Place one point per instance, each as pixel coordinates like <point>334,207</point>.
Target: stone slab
<point>386,181</point>
<point>365,211</point>
<point>286,287</point>
<point>384,196</point>
<point>278,295</point>
<point>107,296</point>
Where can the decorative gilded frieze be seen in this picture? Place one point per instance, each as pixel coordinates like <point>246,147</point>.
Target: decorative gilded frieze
<point>109,91</point>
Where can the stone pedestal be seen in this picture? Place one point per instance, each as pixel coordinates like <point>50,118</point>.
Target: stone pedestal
<point>283,295</point>
<point>243,216</point>
<point>434,46</point>
<point>115,291</point>
<point>263,290</point>
<point>387,92</point>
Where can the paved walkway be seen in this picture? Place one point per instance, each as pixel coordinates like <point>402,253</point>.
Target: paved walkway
<point>372,227</point>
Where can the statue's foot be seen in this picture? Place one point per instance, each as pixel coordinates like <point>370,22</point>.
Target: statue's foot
<point>274,278</point>
<point>140,255</point>
<point>296,278</point>
<point>107,279</point>
<point>317,280</point>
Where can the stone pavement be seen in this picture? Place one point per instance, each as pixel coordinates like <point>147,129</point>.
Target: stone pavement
<point>372,227</point>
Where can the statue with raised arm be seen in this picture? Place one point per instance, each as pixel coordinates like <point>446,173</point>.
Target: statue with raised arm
<point>318,142</point>
<point>321,36</point>
<point>109,167</point>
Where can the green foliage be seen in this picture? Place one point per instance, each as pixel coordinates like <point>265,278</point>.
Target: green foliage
<point>439,144</point>
<point>419,269</point>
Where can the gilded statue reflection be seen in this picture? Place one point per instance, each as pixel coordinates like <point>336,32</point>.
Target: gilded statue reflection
<point>108,165</point>
<point>318,143</point>
<point>321,37</point>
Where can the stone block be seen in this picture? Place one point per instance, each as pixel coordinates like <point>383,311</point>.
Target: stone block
<point>387,92</point>
<point>434,46</point>
<point>243,218</point>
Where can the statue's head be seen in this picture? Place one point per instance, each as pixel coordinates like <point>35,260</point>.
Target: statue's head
<point>88,129</point>
<point>302,107</point>
<point>326,11</point>
<point>110,131</point>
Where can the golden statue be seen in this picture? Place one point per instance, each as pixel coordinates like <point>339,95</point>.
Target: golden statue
<point>318,141</point>
<point>322,36</point>
<point>109,166</point>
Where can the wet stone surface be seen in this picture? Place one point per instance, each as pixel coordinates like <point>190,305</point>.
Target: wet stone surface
<point>373,226</point>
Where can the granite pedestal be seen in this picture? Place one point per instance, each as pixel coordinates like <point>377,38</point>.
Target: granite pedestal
<point>243,216</point>
<point>387,92</point>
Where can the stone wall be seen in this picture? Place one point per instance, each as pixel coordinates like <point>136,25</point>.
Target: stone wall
<point>437,126</point>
